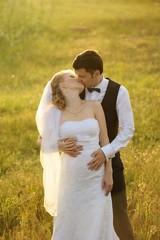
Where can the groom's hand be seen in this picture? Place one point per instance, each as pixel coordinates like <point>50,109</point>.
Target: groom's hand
<point>39,140</point>
<point>70,147</point>
<point>97,161</point>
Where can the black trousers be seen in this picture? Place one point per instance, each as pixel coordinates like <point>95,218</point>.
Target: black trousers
<point>121,221</point>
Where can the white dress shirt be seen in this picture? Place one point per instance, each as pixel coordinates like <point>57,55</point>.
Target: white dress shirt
<point>125,117</point>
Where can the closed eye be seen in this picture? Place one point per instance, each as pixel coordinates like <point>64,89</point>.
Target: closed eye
<point>81,76</point>
<point>72,76</point>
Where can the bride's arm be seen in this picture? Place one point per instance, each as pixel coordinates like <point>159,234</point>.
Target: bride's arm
<point>99,157</point>
<point>107,182</point>
<point>99,115</point>
<point>104,140</point>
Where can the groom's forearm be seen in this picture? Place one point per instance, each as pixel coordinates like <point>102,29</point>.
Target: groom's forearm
<point>108,151</point>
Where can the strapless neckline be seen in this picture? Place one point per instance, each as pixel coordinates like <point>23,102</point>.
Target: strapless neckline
<point>78,121</point>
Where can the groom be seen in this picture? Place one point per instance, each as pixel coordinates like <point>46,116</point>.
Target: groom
<point>115,101</point>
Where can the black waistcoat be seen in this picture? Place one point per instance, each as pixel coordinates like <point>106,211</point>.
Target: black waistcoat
<point>109,107</point>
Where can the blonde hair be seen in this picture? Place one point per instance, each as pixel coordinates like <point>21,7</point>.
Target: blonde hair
<point>58,98</point>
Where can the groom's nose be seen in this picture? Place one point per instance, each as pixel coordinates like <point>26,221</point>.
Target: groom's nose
<point>76,78</point>
<point>79,79</point>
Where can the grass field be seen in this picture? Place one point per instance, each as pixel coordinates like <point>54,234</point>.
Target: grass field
<point>38,38</point>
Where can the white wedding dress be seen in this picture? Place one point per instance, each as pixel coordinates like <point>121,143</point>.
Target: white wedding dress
<point>84,212</point>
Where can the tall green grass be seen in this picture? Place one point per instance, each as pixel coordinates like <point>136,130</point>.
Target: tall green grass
<point>38,38</point>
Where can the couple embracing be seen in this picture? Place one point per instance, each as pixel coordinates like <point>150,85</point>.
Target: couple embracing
<point>84,119</point>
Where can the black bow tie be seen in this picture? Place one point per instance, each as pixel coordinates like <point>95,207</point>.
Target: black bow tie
<point>94,89</point>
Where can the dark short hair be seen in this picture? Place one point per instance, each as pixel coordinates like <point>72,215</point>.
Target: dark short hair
<point>90,60</point>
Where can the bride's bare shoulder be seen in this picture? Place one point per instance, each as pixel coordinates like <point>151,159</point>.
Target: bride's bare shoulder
<point>92,103</point>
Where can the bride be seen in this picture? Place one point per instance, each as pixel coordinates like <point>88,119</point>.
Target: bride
<point>78,198</point>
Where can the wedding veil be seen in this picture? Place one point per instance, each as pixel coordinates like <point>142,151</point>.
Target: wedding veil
<point>47,120</point>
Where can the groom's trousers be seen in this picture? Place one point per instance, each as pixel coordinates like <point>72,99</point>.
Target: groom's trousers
<point>121,221</point>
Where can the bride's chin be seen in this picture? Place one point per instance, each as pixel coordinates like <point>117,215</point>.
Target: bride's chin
<point>81,89</point>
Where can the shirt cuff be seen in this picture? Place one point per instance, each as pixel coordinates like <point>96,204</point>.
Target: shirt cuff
<point>108,151</point>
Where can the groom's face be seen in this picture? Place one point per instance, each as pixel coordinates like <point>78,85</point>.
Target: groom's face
<point>88,79</point>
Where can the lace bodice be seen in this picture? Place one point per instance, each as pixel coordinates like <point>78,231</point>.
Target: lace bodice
<point>86,130</point>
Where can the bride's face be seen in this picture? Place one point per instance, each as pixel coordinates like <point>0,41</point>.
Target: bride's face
<point>71,81</point>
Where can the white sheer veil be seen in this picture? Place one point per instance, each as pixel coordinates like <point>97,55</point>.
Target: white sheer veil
<point>47,120</point>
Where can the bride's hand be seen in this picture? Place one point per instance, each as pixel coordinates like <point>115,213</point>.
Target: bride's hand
<point>107,182</point>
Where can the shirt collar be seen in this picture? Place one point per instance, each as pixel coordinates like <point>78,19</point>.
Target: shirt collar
<point>102,84</point>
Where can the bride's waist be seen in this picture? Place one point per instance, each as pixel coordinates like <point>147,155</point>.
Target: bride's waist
<point>85,139</point>
<point>89,148</point>
<point>89,145</point>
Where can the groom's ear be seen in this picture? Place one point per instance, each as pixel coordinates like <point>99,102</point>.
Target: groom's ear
<point>96,73</point>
